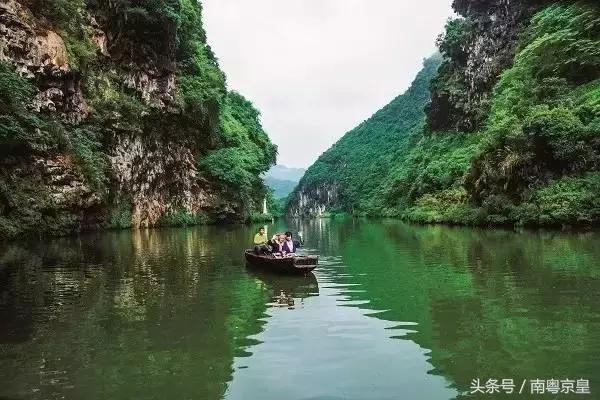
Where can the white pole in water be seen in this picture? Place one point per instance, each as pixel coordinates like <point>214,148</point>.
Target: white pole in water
<point>265,211</point>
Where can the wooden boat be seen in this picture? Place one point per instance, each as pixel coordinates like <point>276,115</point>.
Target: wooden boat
<point>283,265</point>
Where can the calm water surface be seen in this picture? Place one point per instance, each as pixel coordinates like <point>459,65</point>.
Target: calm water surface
<point>393,312</point>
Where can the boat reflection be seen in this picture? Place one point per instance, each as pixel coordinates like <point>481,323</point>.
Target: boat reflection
<point>294,286</point>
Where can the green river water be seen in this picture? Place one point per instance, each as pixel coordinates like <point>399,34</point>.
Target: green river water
<point>393,311</point>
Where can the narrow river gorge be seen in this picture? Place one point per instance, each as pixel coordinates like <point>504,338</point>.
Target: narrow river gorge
<point>393,311</point>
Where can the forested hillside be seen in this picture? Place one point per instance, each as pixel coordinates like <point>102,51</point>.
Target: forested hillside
<point>114,113</point>
<point>511,134</point>
<point>350,174</point>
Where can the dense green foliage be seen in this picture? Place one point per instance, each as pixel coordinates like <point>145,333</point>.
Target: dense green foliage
<point>536,160</point>
<point>545,118</point>
<point>16,122</point>
<point>533,163</point>
<point>183,217</point>
<point>275,208</point>
<point>275,204</point>
<point>245,151</point>
<point>220,127</point>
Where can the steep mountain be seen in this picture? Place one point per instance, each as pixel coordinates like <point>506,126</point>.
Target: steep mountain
<point>349,175</point>
<point>284,173</point>
<point>115,113</point>
<point>281,188</point>
<point>282,180</point>
<point>512,133</point>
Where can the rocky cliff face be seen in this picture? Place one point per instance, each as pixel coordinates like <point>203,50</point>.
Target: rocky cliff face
<point>159,176</point>
<point>40,54</point>
<point>479,46</point>
<point>315,201</point>
<point>111,124</point>
<point>34,180</point>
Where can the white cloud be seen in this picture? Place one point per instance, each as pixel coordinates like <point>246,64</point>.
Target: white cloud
<point>316,68</point>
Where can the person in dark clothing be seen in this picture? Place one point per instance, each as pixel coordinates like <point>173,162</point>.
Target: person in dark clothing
<point>276,243</point>
<point>289,244</point>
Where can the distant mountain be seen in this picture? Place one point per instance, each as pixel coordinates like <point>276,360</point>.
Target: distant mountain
<point>281,172</point>
<point>283,179</point>
<point>281,188</point>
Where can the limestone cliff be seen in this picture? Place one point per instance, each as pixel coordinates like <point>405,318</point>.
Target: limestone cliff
<point>478,46</point>
<point>108,114</point>
<point>315,201</point>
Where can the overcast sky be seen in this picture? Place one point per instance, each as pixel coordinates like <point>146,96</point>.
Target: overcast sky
<point>317,68</point>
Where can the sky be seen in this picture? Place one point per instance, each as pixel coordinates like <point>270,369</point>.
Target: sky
<point>317,68</point>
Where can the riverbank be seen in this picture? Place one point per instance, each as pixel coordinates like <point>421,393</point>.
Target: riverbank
<point>434,217</point>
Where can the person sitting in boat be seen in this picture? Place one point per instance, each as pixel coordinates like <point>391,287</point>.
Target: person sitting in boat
<point>260,241</point>
<point>277,243</point>
<point>289,245</point>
